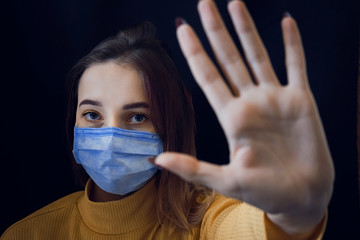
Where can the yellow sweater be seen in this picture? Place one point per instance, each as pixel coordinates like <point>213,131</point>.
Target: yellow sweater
<point>76,217</point>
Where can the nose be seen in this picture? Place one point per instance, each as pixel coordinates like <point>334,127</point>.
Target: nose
<point>113,122</point>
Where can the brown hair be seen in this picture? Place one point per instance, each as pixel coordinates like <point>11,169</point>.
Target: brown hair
<point>171,113</point>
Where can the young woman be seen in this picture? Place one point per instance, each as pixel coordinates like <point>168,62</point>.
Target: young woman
<point>128,105</point>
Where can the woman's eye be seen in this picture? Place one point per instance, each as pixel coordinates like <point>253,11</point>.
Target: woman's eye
<point>92,116</point>
<point>138,118</point>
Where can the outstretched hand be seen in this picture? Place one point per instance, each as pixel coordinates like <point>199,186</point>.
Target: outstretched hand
<point>279,157</point>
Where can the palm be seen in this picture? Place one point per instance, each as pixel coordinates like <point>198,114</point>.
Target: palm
<point>266,155</point>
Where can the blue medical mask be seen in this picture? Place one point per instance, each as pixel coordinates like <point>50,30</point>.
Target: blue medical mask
<point>116,159</point>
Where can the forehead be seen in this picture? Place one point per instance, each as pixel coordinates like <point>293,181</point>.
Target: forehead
<point>111,82</point>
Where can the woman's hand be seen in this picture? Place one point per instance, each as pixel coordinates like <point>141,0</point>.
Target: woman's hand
<point>279,157</point>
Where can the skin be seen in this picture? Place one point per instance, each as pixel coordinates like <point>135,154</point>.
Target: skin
<point>279,157</point>
<point>112,95</point>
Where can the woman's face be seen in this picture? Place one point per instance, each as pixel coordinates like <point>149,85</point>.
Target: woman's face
<point>113,95</point>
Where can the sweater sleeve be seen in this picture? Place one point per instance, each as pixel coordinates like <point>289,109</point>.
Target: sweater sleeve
<point>228,219</point>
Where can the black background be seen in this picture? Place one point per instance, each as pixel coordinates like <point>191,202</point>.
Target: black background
<point>41,40</point>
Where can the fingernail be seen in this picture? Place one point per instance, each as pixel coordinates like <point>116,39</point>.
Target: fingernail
<point>287,14</point>
<point>152,160</point>
<point>179,21</point>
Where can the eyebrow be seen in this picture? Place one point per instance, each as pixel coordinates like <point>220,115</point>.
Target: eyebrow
<point>136,105</point>
<point>90,102</point>
<point>125,107</point>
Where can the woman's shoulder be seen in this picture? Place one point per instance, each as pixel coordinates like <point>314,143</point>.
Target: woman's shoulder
<point>61,203</point>
<point>228,217</point>
<point>221,202</point>
<point>56,211</point>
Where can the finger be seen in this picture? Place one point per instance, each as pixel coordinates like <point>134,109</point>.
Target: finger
<point>202,68</point>
<point>192,170</point>
<point>252,44</point>
<point>294,52</point>
<point>223,46</point>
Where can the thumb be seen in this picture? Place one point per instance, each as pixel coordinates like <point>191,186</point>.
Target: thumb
<point>191,169</point>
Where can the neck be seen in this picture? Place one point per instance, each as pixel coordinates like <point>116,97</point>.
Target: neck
<point>96,194</point>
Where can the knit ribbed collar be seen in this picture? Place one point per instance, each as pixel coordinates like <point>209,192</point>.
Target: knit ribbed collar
<point>121,216</point>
